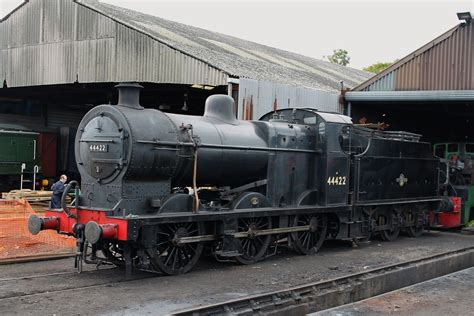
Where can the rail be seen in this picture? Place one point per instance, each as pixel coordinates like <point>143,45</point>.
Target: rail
<point>334,292</point>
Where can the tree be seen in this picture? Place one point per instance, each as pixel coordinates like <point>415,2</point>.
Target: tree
<point>340,56</point>
<point>378,67</point>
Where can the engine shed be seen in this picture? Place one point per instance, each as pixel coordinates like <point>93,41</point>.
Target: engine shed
<point>430,91</point>
<point>58,59</point>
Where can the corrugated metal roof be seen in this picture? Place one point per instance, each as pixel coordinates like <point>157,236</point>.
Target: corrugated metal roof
<point>46,42</point>
<point>235,56</point>
<point>445,63</point>
<point>434,95</point>
<point>53,42</point>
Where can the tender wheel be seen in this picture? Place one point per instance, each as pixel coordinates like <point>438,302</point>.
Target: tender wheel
<point>172,257</point>
<point>309,241</point>
<point>254,247</point>
<point>415,230</point>
<point>392,233</point>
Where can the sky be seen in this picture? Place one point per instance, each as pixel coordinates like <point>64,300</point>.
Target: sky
<point>371,31</point>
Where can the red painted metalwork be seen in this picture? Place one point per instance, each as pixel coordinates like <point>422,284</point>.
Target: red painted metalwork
<point>453,218</point>
<point>251,108</point>
<point>109,231</point>
<point>113,227</point>
<point>47,144</point>
<point>50,222</point>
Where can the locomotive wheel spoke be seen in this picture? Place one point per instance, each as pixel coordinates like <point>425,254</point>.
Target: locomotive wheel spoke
<point>254,247</point>
<point>309,241</point>
<point>172,257</point>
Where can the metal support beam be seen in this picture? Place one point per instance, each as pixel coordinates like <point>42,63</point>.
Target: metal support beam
<point>417,96</point>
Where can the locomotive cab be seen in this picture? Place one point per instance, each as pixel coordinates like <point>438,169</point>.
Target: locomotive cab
<point>327,182</point>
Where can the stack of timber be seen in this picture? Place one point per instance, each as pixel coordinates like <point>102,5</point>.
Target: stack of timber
<point>29,195</point>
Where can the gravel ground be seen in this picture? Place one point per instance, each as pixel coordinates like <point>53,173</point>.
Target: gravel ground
<point>448,295</point>
<point>107,291</point>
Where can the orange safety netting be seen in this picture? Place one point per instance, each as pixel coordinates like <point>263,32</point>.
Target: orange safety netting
<point>17,242</point>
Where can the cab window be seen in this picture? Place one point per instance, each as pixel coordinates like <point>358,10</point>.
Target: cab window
<point>309,120</point>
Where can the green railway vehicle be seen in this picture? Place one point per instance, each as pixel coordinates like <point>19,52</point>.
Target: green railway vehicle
<point>18,155</point>
<point>459,157</point>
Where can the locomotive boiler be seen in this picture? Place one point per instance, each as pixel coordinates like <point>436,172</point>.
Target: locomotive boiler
<point>158,189</point>
<point>130,157</point>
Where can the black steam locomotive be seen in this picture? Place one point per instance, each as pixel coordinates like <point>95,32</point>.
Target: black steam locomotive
<point>158,189</point>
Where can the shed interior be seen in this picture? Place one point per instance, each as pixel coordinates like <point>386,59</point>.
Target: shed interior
<point>74,100</point>
<point>436,121</point>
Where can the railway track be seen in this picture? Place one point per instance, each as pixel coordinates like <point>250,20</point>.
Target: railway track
<point>46,275</point>
<point>318,296</point>
<point>36,258</point>
<point>66,281</point>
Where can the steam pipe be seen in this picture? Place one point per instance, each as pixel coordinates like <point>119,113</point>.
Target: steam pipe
<point>63,198</point>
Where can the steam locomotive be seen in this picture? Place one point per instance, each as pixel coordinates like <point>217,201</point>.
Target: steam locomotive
<point>158,189</point>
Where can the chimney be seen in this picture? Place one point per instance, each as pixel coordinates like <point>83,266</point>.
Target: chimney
<point>129,95</point>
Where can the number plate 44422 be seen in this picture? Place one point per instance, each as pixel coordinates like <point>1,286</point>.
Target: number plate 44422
<point>99,148</point>
<point>336,181</point>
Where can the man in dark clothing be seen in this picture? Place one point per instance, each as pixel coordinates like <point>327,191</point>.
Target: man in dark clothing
<point>58,189</point>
